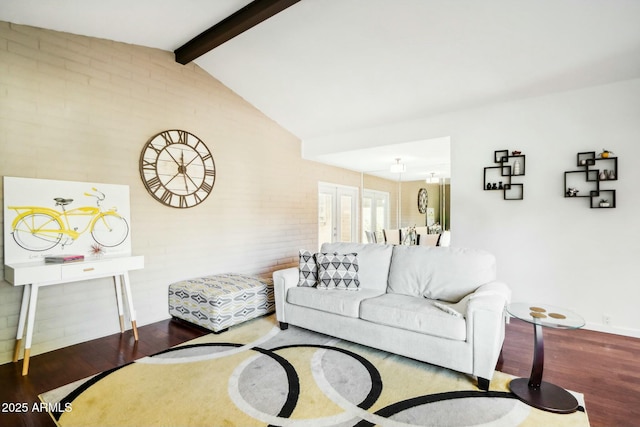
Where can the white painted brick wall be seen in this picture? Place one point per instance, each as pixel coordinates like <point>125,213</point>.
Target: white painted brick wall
<point>81,109</point>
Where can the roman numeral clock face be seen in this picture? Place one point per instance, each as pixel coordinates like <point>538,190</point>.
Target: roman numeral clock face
<point>177,169</point>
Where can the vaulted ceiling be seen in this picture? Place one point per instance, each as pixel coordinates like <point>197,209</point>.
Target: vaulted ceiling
<point>326,67</point>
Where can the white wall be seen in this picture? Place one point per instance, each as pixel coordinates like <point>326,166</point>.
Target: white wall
<point>549,248</point>
<point>81,109</point>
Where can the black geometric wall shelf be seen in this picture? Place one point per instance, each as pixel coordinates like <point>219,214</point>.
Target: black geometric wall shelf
<point>594,173</point>
<point>500,178</point>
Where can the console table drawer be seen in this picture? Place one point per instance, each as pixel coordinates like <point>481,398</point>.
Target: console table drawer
<point>82,269</point>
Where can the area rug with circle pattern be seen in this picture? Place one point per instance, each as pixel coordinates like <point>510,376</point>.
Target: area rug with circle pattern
<point>257,375</point>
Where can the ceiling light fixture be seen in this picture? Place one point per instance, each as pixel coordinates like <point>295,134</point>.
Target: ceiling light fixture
<point>398,167</point>
<point>432,179</point>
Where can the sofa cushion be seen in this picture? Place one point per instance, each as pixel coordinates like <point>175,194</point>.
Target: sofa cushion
<point>330,300</point>
<point>413,314</point>
<point>373,262</point>
<point>338,271</point>
<point>446,274</point>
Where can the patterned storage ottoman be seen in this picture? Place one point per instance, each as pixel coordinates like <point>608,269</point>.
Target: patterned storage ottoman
<point>222,300</point>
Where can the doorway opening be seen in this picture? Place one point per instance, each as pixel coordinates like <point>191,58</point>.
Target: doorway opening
<point>337,213</point>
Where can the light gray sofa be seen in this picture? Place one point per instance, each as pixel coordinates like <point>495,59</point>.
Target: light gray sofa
<point>434,304</point>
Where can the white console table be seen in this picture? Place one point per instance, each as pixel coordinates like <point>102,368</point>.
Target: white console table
<point>34,275</point>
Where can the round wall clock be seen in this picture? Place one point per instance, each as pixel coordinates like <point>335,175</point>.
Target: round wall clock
<point>423,200</point>
<point>177,169</point>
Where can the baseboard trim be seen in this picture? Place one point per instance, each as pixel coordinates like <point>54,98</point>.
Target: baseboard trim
<point>609,329</point>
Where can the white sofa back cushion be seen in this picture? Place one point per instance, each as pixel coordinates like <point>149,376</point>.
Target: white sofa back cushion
<point>446,274</point>
<point>373,262</point>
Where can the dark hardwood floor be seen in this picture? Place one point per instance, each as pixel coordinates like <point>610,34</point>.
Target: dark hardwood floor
<point>54,369</point>
<point>604,367</point>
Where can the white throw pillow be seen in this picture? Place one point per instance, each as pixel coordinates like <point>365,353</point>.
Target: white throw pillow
<point>458,309</point>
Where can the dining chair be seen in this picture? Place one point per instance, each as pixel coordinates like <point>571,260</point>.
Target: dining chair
<point>425,239</point>
<point>445,239</point>
<point>422,230</point>
<point>371,236</point>
<point>392,237</point>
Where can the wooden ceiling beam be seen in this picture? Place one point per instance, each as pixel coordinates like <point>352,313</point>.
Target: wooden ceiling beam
<point>242,20</point>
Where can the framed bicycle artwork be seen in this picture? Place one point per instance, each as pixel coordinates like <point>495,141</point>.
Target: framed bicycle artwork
<point>53,218</point>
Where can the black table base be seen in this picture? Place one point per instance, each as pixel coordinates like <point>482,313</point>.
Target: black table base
<point>547,396</point>
<point>540,394</point>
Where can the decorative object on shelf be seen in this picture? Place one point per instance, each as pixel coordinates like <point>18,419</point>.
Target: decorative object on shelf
<point>594,171</point>
<point>97,250</point>
<point>605,154</point>
<point>423,200</point>
<point>509,165</point>
<point>63,259</point>
<point>177,169</point>
<point>517,170</point>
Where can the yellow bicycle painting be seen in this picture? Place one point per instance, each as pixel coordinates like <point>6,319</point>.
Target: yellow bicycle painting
<point>38,228</point>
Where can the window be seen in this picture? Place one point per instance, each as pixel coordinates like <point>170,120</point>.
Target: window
<point>375,213</point>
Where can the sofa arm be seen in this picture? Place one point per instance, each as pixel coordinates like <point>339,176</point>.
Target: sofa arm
<point>486,323</point>
<point>282,281</point>
<point>490,296</point>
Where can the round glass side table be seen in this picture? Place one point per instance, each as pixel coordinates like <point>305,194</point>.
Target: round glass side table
<point>533,391</point>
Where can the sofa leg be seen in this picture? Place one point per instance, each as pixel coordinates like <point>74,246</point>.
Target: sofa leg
<point>283,326</point>
<point>483,384</point>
